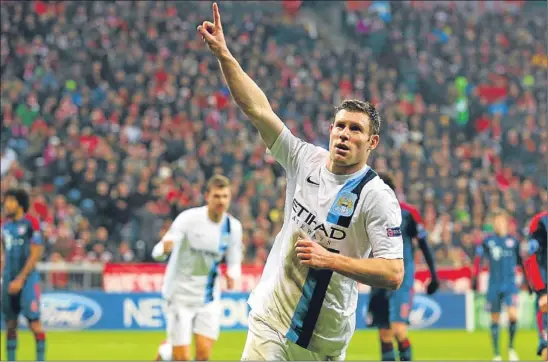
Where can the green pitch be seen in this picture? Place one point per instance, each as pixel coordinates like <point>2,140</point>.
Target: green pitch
<point>138,345</point>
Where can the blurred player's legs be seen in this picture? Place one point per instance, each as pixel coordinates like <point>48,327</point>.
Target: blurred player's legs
<point>494,304</point>
<point>11,343</point>
<point>204,345</point>
<point>511,305</point>
<point>400,306</point>
<point>379,311</point>
<point>263,343</point>
<point>207,326</point>
<point>495,300</point>
<point>390,312</point>
<point>27,303</point>
<point>183,321</point>
<point>387,344</point>
<point>179,330</point>
<point>542,327</point>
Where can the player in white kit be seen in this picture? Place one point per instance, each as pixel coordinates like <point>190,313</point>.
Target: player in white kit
<point>198,240</point>
<point>337,212</point>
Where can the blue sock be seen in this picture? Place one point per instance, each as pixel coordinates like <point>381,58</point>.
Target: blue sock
<point>405,350</point>
<point>495,338</point>
<point>11,344</point>
<point>512,329</point>
<point>387,351</point>
<point>40,346</point>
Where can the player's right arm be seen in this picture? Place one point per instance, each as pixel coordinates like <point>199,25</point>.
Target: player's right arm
<point>478,258</point>
<point>532,269</point>
<point>174,236</point>
<point>246,93</point>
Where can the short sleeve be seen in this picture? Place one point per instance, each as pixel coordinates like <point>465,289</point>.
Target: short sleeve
<point>177,230</point>
<point>34,231</point>
<point>383,225</point>
<point>36,238</point>
<point>291,152</point>
<point>479,250</point>
<point>482,249</point>
<point>415,227</point>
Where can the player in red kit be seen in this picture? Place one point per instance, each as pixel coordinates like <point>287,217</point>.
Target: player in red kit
<point>535,272</point>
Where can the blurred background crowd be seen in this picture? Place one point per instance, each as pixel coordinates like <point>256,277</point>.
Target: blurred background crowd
<point>114,113</point>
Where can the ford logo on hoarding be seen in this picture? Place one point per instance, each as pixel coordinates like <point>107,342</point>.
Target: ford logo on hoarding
<point>425,312</point>
<point>69,311</point>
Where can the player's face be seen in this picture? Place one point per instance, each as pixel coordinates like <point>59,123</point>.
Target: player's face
<point>500,225</point>
<point>350,142</point>
<point>218,199</point>
<point>11,206</point>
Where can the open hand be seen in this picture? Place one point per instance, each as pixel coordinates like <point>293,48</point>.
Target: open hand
<point>311,253</point>
<point>15,286</point>
<point>213,35</point>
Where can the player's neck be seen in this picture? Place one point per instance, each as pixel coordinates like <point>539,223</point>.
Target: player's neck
<point>344,170</point>
<point>213,216</point>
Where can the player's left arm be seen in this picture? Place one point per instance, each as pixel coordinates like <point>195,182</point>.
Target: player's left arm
<point>234,256</point>
<point>385,269</point>
<point>418,231</point>
<point>36,252</point>
<point>532,269</point>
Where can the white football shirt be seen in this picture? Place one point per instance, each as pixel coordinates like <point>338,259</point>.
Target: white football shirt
<point>353,215</point>
<point>199,245</point>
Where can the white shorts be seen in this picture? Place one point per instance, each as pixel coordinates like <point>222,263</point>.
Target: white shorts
<point>266,344</point>
<point>182,321</point>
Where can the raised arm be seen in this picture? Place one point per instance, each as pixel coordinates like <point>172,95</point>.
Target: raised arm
<point>246,93</point>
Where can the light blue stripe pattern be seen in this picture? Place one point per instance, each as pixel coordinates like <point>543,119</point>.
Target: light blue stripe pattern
<point>213,272</point>
<point>349,185</point>
<point>297,321</point>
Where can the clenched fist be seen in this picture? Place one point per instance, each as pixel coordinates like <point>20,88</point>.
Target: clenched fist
<point>311,253</point>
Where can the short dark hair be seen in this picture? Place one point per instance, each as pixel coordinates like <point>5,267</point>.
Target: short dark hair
<point>354,105</point>
<point>21,196</point>
<point>388,180</point>
<point>218,181</point>
<point>499,212</point>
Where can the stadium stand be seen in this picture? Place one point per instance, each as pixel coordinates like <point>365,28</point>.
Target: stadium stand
<point>114,114</point>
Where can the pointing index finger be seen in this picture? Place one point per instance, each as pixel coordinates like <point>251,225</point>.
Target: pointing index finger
<point>216,16</point>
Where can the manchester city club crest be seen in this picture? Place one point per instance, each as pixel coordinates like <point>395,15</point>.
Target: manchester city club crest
<point>344,205</point>
<point>510,243</point>
<point>22,230</point>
